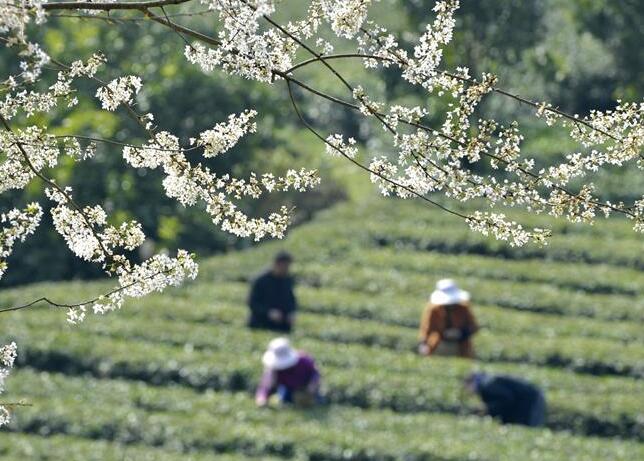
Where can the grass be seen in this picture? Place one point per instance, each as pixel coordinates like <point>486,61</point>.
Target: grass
<point>171,376</point>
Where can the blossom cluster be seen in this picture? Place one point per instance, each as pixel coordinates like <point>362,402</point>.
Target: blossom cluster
<point>192,184</point>
<point>17,14</point>
<point>245,48</point>
<point>224,136</point>
<point>428,53</point>
<point>345,16</point>
<point>336,146</point>
<point>119,91</point>
<point>15,17</point>
<point>504,229</point>
<point>8,355</point>
<point>27,153</point>
<point>28,101</point>
<point>433,159</point>
<point>86,230</point>
<point>89,235</point>
<point>138,280</point>
<point>18,224</point>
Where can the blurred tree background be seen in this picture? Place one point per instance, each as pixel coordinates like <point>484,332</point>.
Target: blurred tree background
<point>578,54</point>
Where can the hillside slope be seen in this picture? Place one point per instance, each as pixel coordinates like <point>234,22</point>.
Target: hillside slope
<point>171,376</point>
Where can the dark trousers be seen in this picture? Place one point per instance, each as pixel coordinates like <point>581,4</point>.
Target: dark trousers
<point>264,323</point>
<point>537,415</point>
<point>287,395</point>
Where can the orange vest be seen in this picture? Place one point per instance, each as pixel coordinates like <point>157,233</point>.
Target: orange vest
<point>437,319</point>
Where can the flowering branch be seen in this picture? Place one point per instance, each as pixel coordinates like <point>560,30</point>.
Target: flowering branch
<point>421,158</point>
<point>82,305</point>
<point>332,146</point>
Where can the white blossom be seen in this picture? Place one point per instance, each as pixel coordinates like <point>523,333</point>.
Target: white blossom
<point>119,91</point>
<point>17,225</point>
<point>245,49</point>
<point>496,224</point>
<point>223,136</point>
<point>383,170</point>
<point>8,354</point>
<point>336,146</point>
<point>193,185</point>
<point>429,50</point>
<point>345,16</point>
<point>27,152</point>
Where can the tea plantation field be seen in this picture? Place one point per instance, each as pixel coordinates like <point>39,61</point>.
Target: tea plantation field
<point>171,377</point>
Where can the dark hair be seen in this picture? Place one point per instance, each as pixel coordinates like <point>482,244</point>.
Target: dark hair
<point>283,257</point>
<point>475,378</point>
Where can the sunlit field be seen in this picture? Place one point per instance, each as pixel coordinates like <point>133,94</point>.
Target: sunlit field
<point>171,376</point>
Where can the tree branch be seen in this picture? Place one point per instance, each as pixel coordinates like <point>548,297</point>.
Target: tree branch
<point>181,29</point>
<point>45,299</point>
<point>105,6</point>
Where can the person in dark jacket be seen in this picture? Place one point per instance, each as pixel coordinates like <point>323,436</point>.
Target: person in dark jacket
<point>272,301</point>
<point>512,400</point>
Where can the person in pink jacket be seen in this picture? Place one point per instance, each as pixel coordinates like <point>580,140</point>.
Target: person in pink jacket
<point>289,373</point>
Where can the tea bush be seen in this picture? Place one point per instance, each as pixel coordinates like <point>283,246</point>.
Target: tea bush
<point>172,376</point>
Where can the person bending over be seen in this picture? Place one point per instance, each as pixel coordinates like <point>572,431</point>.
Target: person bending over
<point>510,399</point>
<point>290,374</point>
<point>447,324</point>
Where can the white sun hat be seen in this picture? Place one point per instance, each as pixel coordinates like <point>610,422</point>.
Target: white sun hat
<point>447,292</point>
<point>280,355</point>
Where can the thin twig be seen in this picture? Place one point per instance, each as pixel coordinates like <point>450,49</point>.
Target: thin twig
<point>84,303</point>
<point>108,6</point>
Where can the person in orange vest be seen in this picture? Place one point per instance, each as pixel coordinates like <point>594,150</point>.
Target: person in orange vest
<point>447,324</point>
